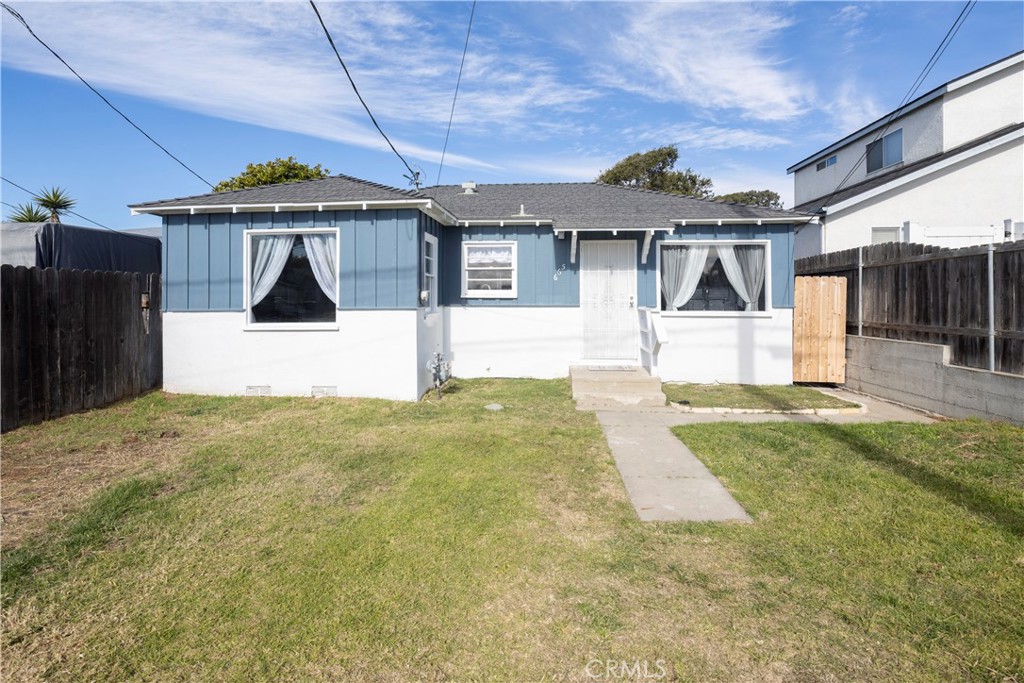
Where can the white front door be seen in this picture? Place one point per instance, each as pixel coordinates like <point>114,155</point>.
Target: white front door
<point>608,298</point>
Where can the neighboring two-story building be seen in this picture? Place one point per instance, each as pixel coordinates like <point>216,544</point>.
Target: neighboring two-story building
<point>945,169</point>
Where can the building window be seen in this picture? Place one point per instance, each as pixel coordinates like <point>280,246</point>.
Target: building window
<point>825,163</point>
<point>706,276</point>
<point>885,152</point>
<point>489,270</point>
<point>884,235</point>
<point>429,289</point>
<point>291,277</point>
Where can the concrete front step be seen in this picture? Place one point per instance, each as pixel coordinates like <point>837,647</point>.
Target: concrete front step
<point>599,388</point>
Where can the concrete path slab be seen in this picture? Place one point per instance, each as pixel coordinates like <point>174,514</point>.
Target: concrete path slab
<point>666,481</point>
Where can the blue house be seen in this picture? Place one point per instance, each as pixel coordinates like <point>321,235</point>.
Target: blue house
<point>345,287</point>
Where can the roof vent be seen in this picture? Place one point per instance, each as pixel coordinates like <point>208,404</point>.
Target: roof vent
<point>469,187</point>
<point>522,212</point>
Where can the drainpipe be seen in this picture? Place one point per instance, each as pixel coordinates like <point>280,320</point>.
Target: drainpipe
<point>991,309</point>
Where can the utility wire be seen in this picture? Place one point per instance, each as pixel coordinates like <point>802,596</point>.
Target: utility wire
<point>28,28</point>
<point>413,176</point>
<point>932,61</point>
<point>455,97</point>
<point>73,213</point>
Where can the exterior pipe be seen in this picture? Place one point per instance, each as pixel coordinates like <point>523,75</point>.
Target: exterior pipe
<point>991,309</point>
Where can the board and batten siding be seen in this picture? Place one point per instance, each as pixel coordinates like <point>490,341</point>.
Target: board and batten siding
<point>546,277</point>
<point>379,268</point>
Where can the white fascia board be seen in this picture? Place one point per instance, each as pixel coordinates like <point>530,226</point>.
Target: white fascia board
<point>924,172</point>
<point>502,222</point>
<point>986,72</point>
<point>741,221</point>
<point>426,205</point>
<point>559,231</point>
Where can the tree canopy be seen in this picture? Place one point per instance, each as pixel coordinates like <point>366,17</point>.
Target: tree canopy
<point>655,170</point>
<point>54,201</point>
<point>28,213</point>
<point>765,198</point>
<point>270,173</point>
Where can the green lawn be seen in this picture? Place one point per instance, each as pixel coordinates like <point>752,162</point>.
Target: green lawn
<point>326,540</point>
<point>749,396</point>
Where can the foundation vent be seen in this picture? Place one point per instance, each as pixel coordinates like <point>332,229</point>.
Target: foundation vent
<point>258,390</point>
<point>324,391</point>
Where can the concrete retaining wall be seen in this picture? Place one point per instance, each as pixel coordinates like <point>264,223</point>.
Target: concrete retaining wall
<point>920,375</point>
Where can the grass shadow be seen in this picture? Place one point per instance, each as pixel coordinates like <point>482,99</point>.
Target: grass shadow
<point>975,499</point>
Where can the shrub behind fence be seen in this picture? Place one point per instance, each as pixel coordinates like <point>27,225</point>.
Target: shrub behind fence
<point>74,340</point>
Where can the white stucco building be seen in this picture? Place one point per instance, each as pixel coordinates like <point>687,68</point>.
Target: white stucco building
<point>945,169</point>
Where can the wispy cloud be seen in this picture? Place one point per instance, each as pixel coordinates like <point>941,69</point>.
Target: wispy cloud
<point>702,137</point>
<point>713,56</point>
<point>268,64</point>
<point>853,107</point>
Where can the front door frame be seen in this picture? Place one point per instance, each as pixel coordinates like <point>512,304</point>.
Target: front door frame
<point>630,245</point>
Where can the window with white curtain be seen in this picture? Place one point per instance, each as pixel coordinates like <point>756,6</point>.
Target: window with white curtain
<point>291,277</point>
<point>713,276</point>
<point>489,270</point>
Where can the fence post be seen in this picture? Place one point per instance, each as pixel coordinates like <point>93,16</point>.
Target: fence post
<point>860,291</point>
<point>991,309</point>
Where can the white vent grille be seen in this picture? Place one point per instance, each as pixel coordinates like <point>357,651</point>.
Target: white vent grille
<point>257,390</point>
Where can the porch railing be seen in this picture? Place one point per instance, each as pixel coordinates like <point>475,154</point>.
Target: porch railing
<point>652,335</point>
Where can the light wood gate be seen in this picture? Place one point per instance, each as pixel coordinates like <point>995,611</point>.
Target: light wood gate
<point>819,330</point>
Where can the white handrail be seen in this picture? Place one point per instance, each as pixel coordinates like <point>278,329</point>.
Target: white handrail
<point>652,335</point>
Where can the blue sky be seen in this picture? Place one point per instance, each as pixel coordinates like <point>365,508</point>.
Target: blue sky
<point>550,92</point>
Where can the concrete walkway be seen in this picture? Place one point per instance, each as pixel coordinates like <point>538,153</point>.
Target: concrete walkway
<point>666,481</point>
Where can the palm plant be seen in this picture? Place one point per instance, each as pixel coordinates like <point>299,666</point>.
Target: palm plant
<point>28,213</point>
<point>56,201</point>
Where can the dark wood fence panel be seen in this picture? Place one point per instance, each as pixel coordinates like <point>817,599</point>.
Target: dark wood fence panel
<point>916,292</point>
<point>71,340</point>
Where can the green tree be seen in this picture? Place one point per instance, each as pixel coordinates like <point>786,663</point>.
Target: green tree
<point>271,173</point>
<point>28,213</point>
<point>655,170</point>
<point>56,201</point>
<point>765,198</point>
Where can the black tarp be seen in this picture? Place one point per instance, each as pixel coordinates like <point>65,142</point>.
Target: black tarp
<point>71,246</point>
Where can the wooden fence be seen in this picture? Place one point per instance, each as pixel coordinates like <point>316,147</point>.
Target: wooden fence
<point>971,299</point>
<point>819,330</point>
<point>74,340</point>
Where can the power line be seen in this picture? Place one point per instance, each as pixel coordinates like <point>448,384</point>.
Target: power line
<point>28,28</point>
<point>73,213</point>
<point>414,176</point>
<point>458,80</point>
<point>932,61</point>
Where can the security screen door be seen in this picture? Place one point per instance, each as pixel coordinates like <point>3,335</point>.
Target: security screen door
<point>608,299</point>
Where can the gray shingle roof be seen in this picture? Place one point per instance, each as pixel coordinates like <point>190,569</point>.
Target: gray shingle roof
<point>568,206</point>
<point>590,205</point>
<point>332,188</point>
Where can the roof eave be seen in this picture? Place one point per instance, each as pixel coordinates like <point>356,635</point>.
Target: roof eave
<point>428,206</point>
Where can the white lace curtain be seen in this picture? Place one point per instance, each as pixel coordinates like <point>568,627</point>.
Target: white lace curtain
<point>744,267</point>
<point>682,267</point>
<point>322,251</point>
<point>271,255</point>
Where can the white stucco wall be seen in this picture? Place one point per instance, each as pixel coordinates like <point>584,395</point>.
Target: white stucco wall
<point>980,191</point>
<point>983,105</point>
<point>743,350</point>
<point>371,354</point>
<point>430,339</point>
<point>514,341</point>
<point>922,137</point>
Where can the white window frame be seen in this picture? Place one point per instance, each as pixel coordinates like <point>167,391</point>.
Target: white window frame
<point>768,311</point>
<point>250,324</point>
<point>468,293</point>
<point>430,274</point>
<point>881,142</point>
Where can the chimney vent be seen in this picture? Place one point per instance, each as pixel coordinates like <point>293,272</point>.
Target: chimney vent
<point>469,187</point>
